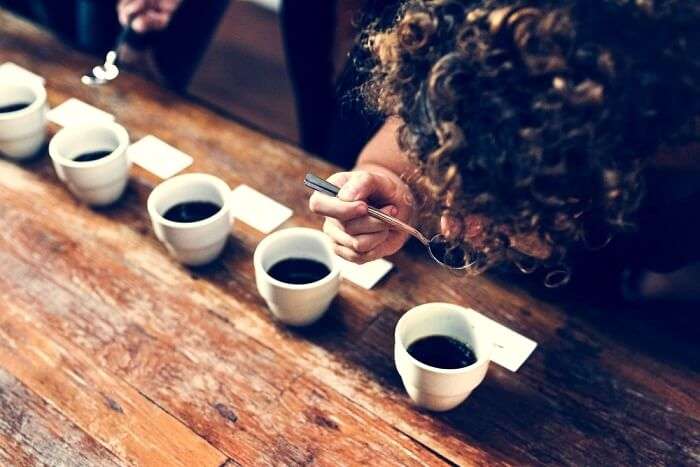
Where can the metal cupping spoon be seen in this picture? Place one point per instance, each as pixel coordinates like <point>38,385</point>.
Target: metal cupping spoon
<point>440,249</point>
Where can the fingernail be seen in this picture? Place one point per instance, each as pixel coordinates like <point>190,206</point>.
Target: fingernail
<point>393,210</point>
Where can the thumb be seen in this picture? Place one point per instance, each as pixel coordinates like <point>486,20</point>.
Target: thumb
<point>366,185</point>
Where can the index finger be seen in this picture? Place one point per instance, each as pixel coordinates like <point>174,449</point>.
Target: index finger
<point>331,206</point>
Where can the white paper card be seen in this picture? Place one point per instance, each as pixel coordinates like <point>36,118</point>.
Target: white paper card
<point>510,349</point>
<point>158,157</point>
<point>12,70</point>
<point>257,210</point>
<point>76,112</point>
<point>365,275</point>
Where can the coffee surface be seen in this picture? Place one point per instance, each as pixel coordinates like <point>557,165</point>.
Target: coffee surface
<point>442,352</point>
<point>448,254</point>
<point>191,211</point>
<point>91,156</point>
<point>14,107</point>
<point>298,271</point>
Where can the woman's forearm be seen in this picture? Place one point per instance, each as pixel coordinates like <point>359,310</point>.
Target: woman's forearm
<point>382,152</point>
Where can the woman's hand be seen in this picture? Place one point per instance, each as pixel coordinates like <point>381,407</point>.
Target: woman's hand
<point>357,236</point>
<point>147,15</point>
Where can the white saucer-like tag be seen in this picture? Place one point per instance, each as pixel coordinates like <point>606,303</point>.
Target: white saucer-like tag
<point>14,71</point>
<point>365,275</point>
<point>510,349</point>
<point>76,112</point>
<point>258,210</point>
<point>158,157</point>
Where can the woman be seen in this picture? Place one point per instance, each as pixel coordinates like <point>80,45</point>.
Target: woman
<point>533,132</point>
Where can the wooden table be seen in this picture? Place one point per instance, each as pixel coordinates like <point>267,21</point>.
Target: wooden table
<point>112,353</point>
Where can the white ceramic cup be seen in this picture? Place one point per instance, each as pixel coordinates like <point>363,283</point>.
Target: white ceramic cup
<point>22,132</point>
<point>296,304</point>
<point>434,388</point>
<point>192,243</point>
<point>99,182</point>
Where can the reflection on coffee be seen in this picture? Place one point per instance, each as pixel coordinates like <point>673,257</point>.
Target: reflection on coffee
<point>14,107</point>
<point>91,156</point>
<point>442,352</point>
<point>191,211</point>
<point>298,271</point>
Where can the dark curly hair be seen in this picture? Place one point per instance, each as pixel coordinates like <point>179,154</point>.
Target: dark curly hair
<point>539,115</point>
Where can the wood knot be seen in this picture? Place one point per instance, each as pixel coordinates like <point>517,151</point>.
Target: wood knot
<point>226,412</point>
<point>319,418</point>
<point>112,404</point>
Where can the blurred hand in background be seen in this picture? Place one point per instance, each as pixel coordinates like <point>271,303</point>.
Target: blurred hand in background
<point>147,15</point>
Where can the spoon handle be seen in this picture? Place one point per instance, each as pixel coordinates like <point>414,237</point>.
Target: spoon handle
<point>398,224</point>
<point>327,188</point>
<point>322,186</point>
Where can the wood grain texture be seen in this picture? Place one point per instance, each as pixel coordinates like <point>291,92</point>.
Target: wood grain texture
<point>116,414</point>
<point>607,385</point>
<point>32,432</point>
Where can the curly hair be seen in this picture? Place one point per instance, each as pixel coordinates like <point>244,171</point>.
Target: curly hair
<point>539,115</point>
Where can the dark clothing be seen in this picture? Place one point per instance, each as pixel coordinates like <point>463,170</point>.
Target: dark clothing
<point>332,118</point>
<point>179,48</point>
<point>90,25</point>
<point>666,239</point>
<point>308,44</point>
<point>669,223</point>
<point>333,121</point>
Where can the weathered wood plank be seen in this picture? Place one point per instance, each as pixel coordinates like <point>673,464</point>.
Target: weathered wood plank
<point>215,406</point>
<point>32,432</point>
<point>114,413</point>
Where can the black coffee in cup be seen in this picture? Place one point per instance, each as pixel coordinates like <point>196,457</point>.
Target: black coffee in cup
<point>298,271</point>
<point>191,211</point>
<point>14,107</point>
<point>442,352</point>
<point>91,156</point>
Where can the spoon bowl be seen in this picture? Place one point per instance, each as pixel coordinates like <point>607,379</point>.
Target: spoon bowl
<point>447,254</point>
